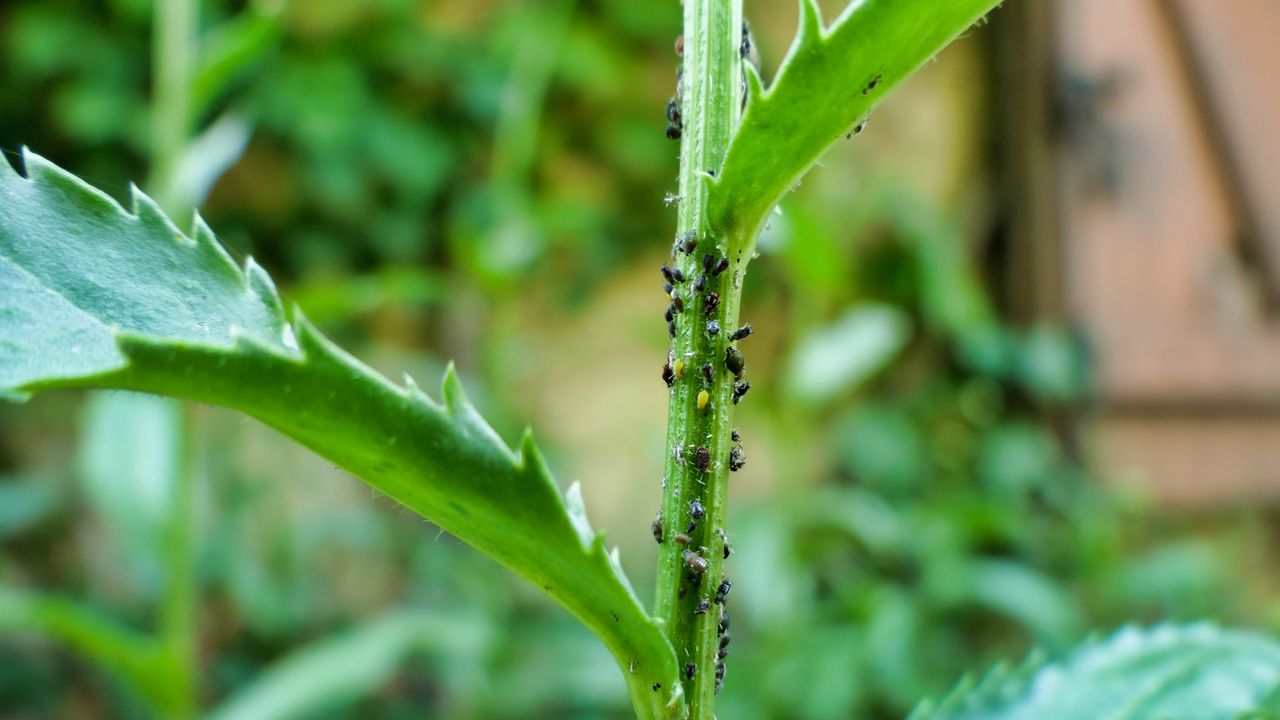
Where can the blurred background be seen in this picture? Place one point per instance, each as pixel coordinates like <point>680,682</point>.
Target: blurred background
<point>1016,358</point>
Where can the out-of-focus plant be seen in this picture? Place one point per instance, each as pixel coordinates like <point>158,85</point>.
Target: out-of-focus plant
<point>99,297</point>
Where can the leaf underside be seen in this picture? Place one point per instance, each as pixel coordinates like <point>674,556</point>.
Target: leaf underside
<point>92,296</point>
<point>828,83</point>
<point>1170,672</point>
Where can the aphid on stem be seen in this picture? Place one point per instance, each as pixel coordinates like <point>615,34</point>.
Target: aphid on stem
<point>741,333</point>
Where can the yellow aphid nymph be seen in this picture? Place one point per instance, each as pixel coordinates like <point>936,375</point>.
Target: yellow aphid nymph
<point>703,398</point>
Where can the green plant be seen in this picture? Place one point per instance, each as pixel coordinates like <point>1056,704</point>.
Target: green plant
<point>103,298</point>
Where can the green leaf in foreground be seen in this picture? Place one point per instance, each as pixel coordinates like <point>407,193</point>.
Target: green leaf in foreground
<point>93,296</point>
<point>1193,672</point>
<point>828,83</point>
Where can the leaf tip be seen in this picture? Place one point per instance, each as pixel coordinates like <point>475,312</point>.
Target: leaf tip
<point>810,23</point>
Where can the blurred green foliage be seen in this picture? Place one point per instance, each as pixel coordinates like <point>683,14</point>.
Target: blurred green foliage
<point>468,179</point>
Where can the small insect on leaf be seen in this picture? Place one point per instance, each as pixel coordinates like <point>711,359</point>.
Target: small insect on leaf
<point>741,333</point>
<point>677,369</point>
<point>657,527</point>
<point>702,607</point>
<point>695,562</point>
<point>668,375</point>
<point>702,458</point>
<point>696,511</point>
<point>704,399</point>
<point>711,303</point>
<point>713,328</point>
<point>737,461</point>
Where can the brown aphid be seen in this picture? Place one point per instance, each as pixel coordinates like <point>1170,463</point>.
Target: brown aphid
<point>711,303</point>
<point>706,373</point>
<point>702,458</point>
<point>657,527</point>
<point>668,375</point>
<point>695,562</point>
<point>680,46</point>
<point>682,539</point>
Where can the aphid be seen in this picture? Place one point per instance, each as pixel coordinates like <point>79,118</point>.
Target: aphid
<point>688,242</point>
<point>696,563</point>
<point>682,539</point>
<point>693,525</point>
<point>696,511</point>
<point>667,274</point>
<point>706,373</point>
<point>682,592</point>
<point>735,436</point>
<point>724,621</point>
<point>713,327</point>
<point>670,314</point>
<point>667,375</point>
<point>702,607</point>
<point>722,654</point>
<point>671,328</point>
<point>678,369</point>
<point>724,641</point>
<point>708,262</point>
<point>872,85</point>
<point>711,303</point>
<point>673,112</point>
<point>700,284</point>
<point>689,670</point>
<point>734,362</point>
<point>680,46</point>
<point>677,302</point>
<point>673,132</point>
<point>703,399</point>
<point>657,527</point>
<point>720,266</point>
<point>745,49</point>
<point>667,288</point>
<point>702,458</point>
<point>737,461</point>
<point>720,671</point>
<point>740,391</point>
<point>677,452</point>
<point>679,276</point>
<point>722,592</point>
<point>727,550</point>
<point>741,333</point>
<point>657,687</point>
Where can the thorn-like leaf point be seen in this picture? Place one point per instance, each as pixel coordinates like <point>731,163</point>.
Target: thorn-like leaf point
<point>94,296</point>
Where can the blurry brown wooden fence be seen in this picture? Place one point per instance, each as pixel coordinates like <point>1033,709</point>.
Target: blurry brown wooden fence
<point>1143,175</point>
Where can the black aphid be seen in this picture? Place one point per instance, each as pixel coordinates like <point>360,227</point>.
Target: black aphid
<point>702,607</point>
<point>677,275</point>
<point>737,461</point>
<point>657,527</point>
<point>702,458</point>
<point>670,313</point>
<point>734,362</point>
<point>668,375</point>
<point>700,284</point>
<point>688,242</point>
<point>708,262</point>
<point>667,288</point>
<point>677,302</point>
<point>713,328</point>
<point>696,511</point>
<point>724,621</point>
<point>696,563</point>
<point>706,373</point>
<point>741,333</point>
<point>657,687</point>
<point>727,550</point>
<point>724,641</point>
<point>711,303</point>
<point>875,81</point>
<point>720,671</point>
<point>665,269</point>
<point>745,48</point>
<point>735,436</point>
<point>673,132</point>
<point>693,525</point>
<point>722,591</point>
<point>673,113</point>
<point>689,670</point>
<point>740,391</point>
<point>720,266</point>
<point>671,328</point>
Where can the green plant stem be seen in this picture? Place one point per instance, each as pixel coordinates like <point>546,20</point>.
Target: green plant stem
<point>173,44</point>
<point>711,96</point>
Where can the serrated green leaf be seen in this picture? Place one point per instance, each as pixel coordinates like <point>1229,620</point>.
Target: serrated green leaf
<point>1171,672</point>
<point>829,81</point>
<point>93,296</point>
